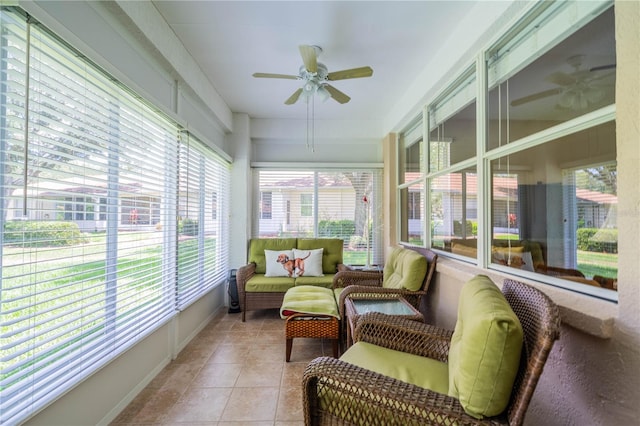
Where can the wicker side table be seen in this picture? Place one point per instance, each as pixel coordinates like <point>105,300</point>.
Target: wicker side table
<point>314,326</point>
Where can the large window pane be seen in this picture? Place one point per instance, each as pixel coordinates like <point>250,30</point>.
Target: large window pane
<point>452,125</point>
<point>571,79</point>
<point>454,212</point>
<point>411,153</point>
<point>554,208</point>
<point>202,242</point>
<point>347,204</point>
<point>411,217</point>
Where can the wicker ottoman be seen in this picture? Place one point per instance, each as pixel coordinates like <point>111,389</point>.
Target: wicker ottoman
<point>310,311</point>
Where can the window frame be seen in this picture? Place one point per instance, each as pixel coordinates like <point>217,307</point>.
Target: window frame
<point>553,16</point>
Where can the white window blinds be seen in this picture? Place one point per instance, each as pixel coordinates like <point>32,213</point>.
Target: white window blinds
<point>88,193</point>
<point>202,220</point>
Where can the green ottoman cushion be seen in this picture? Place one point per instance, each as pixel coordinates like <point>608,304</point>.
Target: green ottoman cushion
<point>308,299</point>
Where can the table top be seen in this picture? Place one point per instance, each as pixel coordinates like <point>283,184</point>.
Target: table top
<point>386,306</point>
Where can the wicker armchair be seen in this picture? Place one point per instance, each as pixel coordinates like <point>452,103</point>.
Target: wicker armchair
<point>370,398</point>
<point>363,282</point>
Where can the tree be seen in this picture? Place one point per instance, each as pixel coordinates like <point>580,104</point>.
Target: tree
<point>362,183</point>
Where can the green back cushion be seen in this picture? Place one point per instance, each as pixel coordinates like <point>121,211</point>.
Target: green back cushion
<point>485,349</point>
<point>404,269</point>
<point>420,371</point>
<point>257,246</point>
<point>331,255</point>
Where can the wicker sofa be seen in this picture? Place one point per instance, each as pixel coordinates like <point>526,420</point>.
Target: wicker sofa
<point>258,291</point>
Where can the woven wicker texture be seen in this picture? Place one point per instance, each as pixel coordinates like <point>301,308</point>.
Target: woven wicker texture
<point>303,325</point>
<point>313,326</point>
<point>336,393</point>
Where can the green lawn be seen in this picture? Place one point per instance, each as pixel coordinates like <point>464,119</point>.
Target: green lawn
<point>591,263</point>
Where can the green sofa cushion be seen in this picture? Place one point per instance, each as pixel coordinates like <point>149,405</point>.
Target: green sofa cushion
<point>325,281</point>
<point>404,268</point>
<point>485,349</point>
<point>420,371</point>
<point>309,299</point>
<point>257,246</point>
<point>261,284</point>
<point>331,255</point>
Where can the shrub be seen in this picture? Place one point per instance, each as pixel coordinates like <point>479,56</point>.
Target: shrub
<point>42,234</point>
<point>189,227</point>
<point>343,229</point>
<point>606,240</point>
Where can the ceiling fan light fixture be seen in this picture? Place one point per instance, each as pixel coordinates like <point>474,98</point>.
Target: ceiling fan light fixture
<point>323,93</point>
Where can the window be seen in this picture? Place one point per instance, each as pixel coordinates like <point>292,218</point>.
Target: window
<point>454,220</point>
<point>414,205</point>
<point>411,174</point>
<point>89,238</point>
<point>412,223</point>
<point>547,162</point>
<point>554,196</point>
<point>564,217</point>
<point>338,198</point>
<point>306,205</point>
<point>411,153</point>
<point>266,198</point>
<point>452,125</point>
<point>202,242</point>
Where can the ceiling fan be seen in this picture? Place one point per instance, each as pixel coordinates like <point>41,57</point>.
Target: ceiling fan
<point>315,77</point>
<point>577,90</point>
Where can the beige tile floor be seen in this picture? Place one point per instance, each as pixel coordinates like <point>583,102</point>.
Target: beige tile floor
<point>232,373</point>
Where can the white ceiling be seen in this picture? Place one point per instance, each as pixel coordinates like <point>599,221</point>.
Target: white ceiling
<point>231,40</point>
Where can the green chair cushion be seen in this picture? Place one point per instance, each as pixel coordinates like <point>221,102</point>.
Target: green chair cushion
<point>420,371</point>
<point>261,284</point>
<point>257,246</point>
<point>404,268</point>
<point>325,281</point>
<point>309,299</point>
<point>485,349</point>
<point>331,255</point>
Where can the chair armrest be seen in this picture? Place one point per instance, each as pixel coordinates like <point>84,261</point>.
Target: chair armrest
<point>404,335</point>
<point>359,396</point>
<point>243,274</point>
<point>348,277</point>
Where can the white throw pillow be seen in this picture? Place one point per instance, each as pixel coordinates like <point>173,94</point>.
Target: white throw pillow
<point>308,263</point>
<point>279,263</point>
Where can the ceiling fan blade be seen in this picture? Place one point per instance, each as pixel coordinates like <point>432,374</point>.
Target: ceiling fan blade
<point>352,73</point>
<point>603,67</point>
<point>293,98</point>
<point>336,94</point>
<point>561,79</point>
<point>536,96</point>
<point>267,75</point>
<point>309,57</point>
